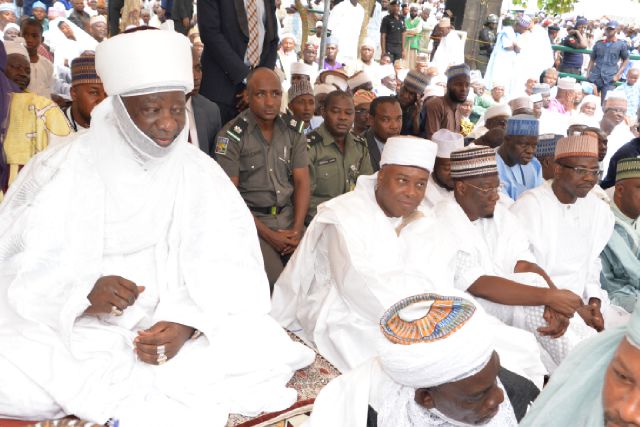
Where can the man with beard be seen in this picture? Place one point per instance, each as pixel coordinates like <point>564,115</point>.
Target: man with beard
<point>568,227</point>
<point>596,385</point>
<point>519,171</point>
<point>413,23</point>
<point>442,111</point>
<point>410,96</point>
<point>337,157</point>
<point>366,62</point>
<point>265,156</point>
<point>302,103</point>
<point>98,27</point>
<point>385,117</point>
<point>440,186</point>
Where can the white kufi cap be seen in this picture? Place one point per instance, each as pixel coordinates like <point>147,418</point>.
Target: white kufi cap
<point>147,70</point>
<point>301,68</point>
<point>447,142</point>
<point>409,151</point>
<point>497,110</point>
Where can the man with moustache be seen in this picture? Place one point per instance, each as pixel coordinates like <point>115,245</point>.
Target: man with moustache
<point>337,157</point>
<point>265,156</point>
<point>442,111</point>
<point>385,117</point>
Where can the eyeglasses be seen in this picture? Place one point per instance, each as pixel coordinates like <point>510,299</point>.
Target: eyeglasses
<point>362,111</point>
<point>487,191</point>
<point>582,171</point>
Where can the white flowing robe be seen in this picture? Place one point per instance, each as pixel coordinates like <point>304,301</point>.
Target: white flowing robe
<point>176,225</point>
<point>450,52</point>
<point>345,23</point>
<point>351,266</point>
<point>493,247</point>
<point>501,64</point>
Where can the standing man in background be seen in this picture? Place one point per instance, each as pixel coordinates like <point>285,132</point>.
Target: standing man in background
<point>238,36</point>
<point>392,32</point>
<point>605,67</point>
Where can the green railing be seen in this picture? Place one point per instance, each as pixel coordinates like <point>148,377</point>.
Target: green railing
<point>580,77</point>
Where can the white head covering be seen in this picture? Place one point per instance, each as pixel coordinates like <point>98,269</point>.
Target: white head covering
<point>321,88</point>
<point>147,70</point>
<point>359,79</point>
<point>409,151</point>
<point>521,102</point>
<point>387,70</point>
<point>566,83</point>
<point>332,79</point>
<point>15,46</point>
<point>301,68</point>
<point>447,142</point>
<point>11,25</point>
<point>536,98</point>
<point>497,110</point>
<point>369,42</point>
<point>432,361</point>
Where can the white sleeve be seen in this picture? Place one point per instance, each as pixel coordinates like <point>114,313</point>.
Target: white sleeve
<point>467,270</point>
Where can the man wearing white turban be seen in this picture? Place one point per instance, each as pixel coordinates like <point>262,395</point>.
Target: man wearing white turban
<point>108,302</point>
<point>435,366</point>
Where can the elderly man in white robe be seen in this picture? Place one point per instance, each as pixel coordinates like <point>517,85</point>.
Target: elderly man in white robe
<point>115,301</point>
<point>450,51</point>
<point>435,366</point>
<point>440,185</point>
<point>366,248</point>
<point>568,227</point>
<point>493,261</point>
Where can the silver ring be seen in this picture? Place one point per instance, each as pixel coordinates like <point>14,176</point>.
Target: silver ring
<point>162,359</point>
<point>161,349</point>
<point>115,311</point>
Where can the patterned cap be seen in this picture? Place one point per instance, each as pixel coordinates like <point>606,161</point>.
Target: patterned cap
<point>416,81</point>
<point>39,5</point>
<point>458,70</point>
<point>523,125</point>
<point>474,161</point>
<point>83,70</point>
<point>363,97</point>
<point>547,145</point>
<point>628,168</point>
<point>445,315</point>
<point>298,88</point>
<point>577,146</point>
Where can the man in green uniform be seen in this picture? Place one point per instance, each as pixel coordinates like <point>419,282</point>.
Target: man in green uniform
<point>265,156</point>
<point>336,156</point>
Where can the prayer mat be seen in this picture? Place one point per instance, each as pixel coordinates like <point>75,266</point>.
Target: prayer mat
<point>307,382</point>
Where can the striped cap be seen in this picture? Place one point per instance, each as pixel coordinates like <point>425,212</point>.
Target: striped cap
<point>547,145</point>
<point>298,88</point>
<point>458,70</point>
<point>83,70</point>
<point>577,146</point>
<point>523,125</point>
<point>472,162</point>
<point>416,81</point>
<point>628,168</point>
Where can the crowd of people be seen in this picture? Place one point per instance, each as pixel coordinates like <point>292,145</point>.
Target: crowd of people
<point>186,187</point>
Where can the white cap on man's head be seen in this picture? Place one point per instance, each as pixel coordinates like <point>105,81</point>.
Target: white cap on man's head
<point>566,83</point>
<point>147,69</point>
<point>497,111</point>
<point>301,68</point>
<point>409,151</point>
<point>447,142</point>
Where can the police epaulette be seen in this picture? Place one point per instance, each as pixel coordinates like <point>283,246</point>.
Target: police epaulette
<point>312,138</point>
<point>237,128</point>
<point>296,125</point>
<point>360,139</point>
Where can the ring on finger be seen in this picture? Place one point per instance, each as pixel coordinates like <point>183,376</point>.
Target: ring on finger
<point>161,349</point>
<point>162,359</point>
<point>115,311</point>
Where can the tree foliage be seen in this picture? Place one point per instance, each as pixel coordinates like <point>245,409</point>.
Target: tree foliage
<point>550,6</point>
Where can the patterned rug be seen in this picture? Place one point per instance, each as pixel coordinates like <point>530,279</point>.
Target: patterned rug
<point>307,382</point>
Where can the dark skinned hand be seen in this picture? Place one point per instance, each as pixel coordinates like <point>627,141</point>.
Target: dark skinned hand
<point>592,315</point>
<point>241,100</point>
<point>557,324</point>
<point>564,302</point>
<point>112,291</point>
<point>171,335</point>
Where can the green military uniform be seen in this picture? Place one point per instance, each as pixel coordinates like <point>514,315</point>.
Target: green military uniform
<point>264,170</point>
<point>332,172</point>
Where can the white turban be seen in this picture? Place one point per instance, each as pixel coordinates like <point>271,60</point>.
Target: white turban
<point>341,82</point>
<point>14,46</point>
<point>454,357</point>
<point>497,110</point>
<point>447,142</point>
<point>127,66</point>
<point>321,88</point>
<point>359,79</point>
<point>301,68</point>
<point>566,83</point>
<point>409,151</point>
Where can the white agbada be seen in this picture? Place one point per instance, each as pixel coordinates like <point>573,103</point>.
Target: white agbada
<point>450,52</point>
<point>113,202</point>
<point>345,23</point>
<point>41,82</point>
<point>388,382</point>
<point>502,61</point>
<point>435,194</point>
<point>619,136</point>
<point>567,240</point>
<point>492,247</point>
